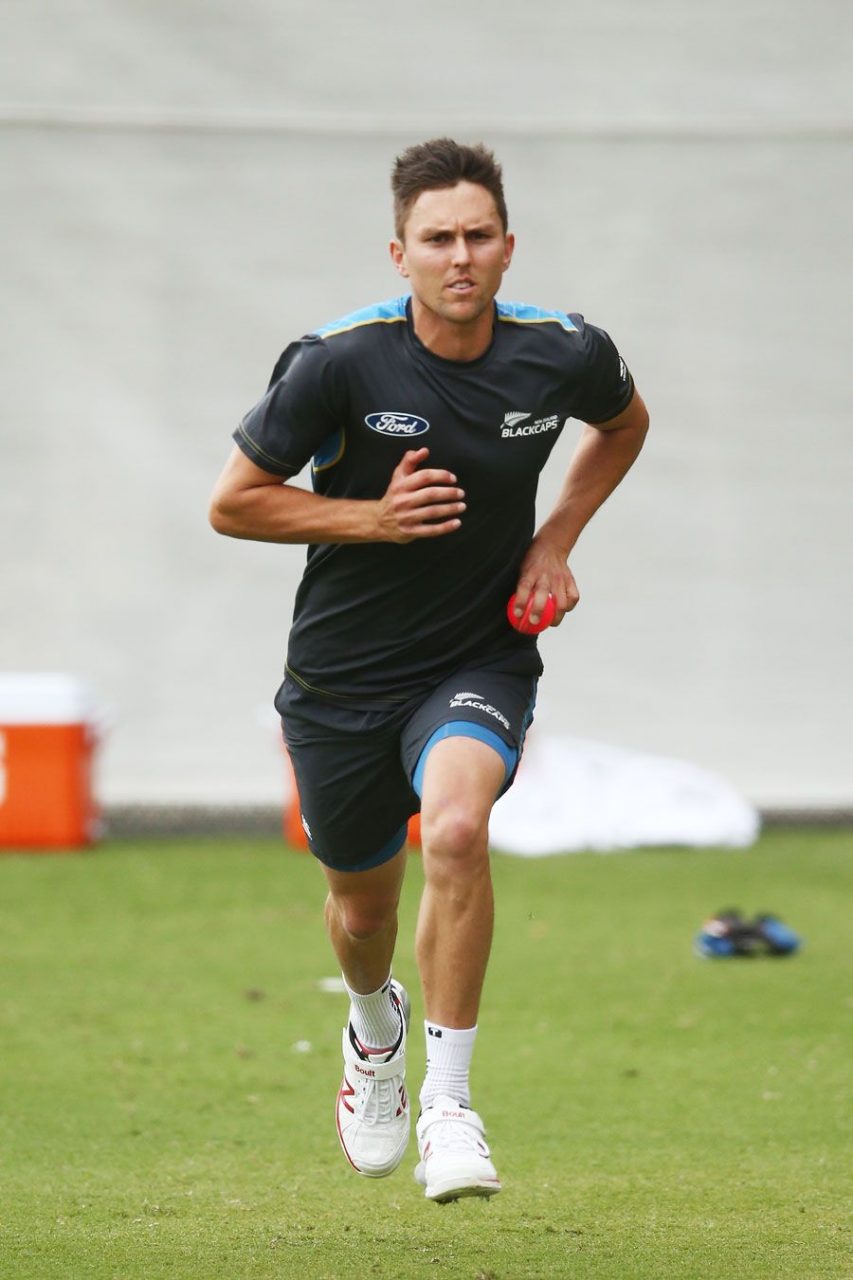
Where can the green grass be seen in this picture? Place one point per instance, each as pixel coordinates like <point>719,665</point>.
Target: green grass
<point>651,1114</point>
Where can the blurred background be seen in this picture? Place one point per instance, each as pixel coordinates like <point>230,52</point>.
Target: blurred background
<point>188,187</point>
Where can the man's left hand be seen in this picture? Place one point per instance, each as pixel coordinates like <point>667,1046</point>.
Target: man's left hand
<point>544,572</point>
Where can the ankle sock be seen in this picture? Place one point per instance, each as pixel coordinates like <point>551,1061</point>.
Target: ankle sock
<point>449,1052</point>
<point>374,1019</point>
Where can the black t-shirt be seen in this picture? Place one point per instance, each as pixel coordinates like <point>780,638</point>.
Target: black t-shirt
<point>382,621</point>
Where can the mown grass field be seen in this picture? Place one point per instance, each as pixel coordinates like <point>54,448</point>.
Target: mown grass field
<point>168,1066</point>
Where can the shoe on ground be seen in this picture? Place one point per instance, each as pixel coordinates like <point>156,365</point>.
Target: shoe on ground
<point>372,1106</point>
<point>778,938</point>
<point>726,934</point>
<point>455,1160</point>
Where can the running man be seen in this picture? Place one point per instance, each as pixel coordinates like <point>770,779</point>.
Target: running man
<point>427,420</point>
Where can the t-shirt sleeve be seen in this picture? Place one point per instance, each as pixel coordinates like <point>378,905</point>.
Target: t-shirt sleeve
<point>298,413</point>
<point>604,383</point>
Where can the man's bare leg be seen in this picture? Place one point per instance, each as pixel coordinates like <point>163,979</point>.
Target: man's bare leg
<point>454,935</point>
<point>361,917</point>
<point>462,778</point>
<point>372,1109</point>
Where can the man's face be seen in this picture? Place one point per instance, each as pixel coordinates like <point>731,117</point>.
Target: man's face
<point>454,251</point>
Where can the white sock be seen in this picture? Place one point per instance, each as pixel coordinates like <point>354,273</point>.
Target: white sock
<point>449,1053</point>
<point>374,1018</point>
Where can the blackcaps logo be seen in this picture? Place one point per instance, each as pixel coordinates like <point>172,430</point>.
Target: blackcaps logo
<point>512,425</point>
<point>397,424</point>
<point>477,700</point>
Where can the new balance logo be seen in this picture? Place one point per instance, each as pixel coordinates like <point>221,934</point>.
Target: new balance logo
<point>434,1031</point>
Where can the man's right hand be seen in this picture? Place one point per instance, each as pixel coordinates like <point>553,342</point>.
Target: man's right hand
<point>419,504</point>
<point>251,503</point>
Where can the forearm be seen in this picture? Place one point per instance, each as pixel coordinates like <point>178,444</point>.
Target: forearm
<point>599,463</point>
<point>286,513</point>
<point>420,502</point>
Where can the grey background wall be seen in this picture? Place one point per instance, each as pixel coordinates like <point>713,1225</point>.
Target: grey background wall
<point>187,187</point>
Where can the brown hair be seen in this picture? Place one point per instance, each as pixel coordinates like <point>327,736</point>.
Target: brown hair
<point>441,162</point>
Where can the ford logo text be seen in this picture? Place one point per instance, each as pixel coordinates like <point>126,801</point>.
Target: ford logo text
<point>397,424</point>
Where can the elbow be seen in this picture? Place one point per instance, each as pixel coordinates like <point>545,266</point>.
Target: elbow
<point>639,416</point>
<point>638,422</point>
<point>219,517</point>
<point>641,430</point>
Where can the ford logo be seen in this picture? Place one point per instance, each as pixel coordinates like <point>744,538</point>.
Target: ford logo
<point>397,424</point>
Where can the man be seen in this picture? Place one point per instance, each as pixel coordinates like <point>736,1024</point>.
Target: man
<point>428,419</point>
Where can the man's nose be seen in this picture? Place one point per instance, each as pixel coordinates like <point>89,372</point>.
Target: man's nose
<point>460,249</point>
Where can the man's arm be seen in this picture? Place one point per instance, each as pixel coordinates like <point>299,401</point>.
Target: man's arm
<point>605,453</point>
<point>251,503</point>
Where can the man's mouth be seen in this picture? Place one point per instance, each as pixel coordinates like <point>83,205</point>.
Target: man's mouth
<point>461,286</point>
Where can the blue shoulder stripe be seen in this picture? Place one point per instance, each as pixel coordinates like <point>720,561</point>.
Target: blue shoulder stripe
<point>389,312</point>
<point>521,313</point>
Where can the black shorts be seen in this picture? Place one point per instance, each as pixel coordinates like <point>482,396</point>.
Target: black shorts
<point>358,769</point>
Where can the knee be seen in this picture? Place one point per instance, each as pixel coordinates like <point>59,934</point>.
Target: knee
<point>363,918</point>
<point>455,835</point>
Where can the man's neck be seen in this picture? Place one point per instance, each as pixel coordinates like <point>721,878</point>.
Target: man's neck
<point>451,341</point>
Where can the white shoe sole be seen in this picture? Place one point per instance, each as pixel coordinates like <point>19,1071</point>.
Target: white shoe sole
<point>456,1188</point>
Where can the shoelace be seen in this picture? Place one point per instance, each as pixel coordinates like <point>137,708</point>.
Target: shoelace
<point>456,1135</point>
<point>377,1101</point>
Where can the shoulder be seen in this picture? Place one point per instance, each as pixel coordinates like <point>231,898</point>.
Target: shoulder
<point>560,335</point>
<point>356,332</point>
<point>564,333</point>
<point>364,324</point>
<point>323,358</point>
<point>521,313</point>
<point>300,360</point>
<point>566,327</point>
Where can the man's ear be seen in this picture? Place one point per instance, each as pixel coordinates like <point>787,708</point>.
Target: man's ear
<point>398,257</point>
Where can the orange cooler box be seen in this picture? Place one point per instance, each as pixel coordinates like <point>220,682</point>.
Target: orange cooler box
<point>48,738</point>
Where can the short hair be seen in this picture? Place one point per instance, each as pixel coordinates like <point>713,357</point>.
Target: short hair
<point>439,163</point>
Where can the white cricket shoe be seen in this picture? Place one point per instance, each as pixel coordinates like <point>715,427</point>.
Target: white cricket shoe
<point>372,1105</point>
<point>455,1160</point>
